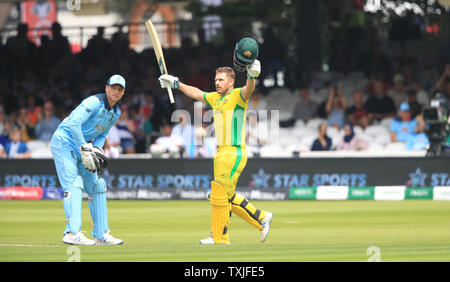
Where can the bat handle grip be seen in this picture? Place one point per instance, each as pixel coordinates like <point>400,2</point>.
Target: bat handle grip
<point>169,89</point>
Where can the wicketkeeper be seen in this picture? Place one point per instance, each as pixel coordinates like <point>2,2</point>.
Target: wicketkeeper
<point>230,106</point>
<point>78,155</point>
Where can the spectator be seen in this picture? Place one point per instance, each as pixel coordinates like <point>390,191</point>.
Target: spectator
<point>185,131</point>
<point>335,107</point>
<point>138,124</point>
<point>3,154</point>
<point>5,134</point>
<point>32,109</point>
<point>305,109</point>
<point>403,125</point>
<point>59,44</point>
<point>167,146</point>
<point>257,134</point>
<point>27,128</point>
<point>67,102</point>
<point>422,96</point>
<point>19,50</point>
<point>323,142</point>
<point>205,147</point>
<point>44,54</point>
<point>161,112</point>
<point>357,114</point>
<point>418,140</point>
<point>352,142</point>
<point>146,106</point>
<point>126,129</point>
<point>17,149</point>
<point>47,123</point>
<point>398,91</point>
<point>97,47</point>
<point>379,105</point>
<point>414,105</point>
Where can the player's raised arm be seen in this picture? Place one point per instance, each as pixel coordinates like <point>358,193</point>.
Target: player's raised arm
<point>244,59</point>
<point>253,72</point>
<point>173,81</point>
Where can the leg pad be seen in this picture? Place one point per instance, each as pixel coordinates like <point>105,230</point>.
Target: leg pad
<point>99,209</point>
<point>220,213</point>
<point>245,210</point>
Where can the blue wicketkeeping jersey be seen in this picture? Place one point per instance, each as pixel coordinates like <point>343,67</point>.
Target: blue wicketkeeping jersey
<point>91,121</point>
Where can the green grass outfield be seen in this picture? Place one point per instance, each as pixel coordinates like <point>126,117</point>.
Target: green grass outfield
<point>167,231</point>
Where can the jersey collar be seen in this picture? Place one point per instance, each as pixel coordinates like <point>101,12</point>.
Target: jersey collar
<point>225,95</point>
<point>107,106</point>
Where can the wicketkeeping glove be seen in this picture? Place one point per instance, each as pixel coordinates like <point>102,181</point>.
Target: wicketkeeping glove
<point>88,157</point>
<point>169,80</point>
<point>102,159</point>
<point>254,69</point>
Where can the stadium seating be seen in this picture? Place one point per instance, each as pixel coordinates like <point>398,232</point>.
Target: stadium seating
<point>301,135</point>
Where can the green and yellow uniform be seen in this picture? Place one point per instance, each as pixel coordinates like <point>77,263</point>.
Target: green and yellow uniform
<point>231,158</point>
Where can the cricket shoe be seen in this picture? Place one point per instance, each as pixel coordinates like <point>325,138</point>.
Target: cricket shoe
<point>77,239</point>
<point>210,241</point>
<point>265,222</point>
<point>108,239</point>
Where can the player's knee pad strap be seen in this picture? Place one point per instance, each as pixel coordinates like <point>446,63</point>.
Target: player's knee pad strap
<point>220,212</point>
<point>245,210</point>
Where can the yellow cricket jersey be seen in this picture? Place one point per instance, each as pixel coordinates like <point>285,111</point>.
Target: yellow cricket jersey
<point>229,116</point>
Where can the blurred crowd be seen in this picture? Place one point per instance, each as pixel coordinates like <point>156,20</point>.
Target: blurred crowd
<point>395,103</point>
<point>40,86</point>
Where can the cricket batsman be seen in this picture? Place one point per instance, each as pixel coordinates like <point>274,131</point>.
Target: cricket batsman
<point>229,105</point>
<point>78,155</point>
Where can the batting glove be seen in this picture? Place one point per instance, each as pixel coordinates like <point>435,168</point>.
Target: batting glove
<point>169,80</point>
<point>254,69</point>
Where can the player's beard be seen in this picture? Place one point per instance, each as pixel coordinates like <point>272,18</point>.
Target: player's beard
<point>222,90</point>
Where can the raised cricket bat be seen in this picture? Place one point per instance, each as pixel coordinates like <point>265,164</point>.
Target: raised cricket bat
<point>159,53</point>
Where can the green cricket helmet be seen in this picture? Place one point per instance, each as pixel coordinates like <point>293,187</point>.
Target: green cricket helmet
<point>245,53</point>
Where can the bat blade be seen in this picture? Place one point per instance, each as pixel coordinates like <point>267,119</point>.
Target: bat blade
<point>158,53</point>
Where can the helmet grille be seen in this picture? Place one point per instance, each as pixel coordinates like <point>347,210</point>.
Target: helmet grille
<point>239,65</point>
